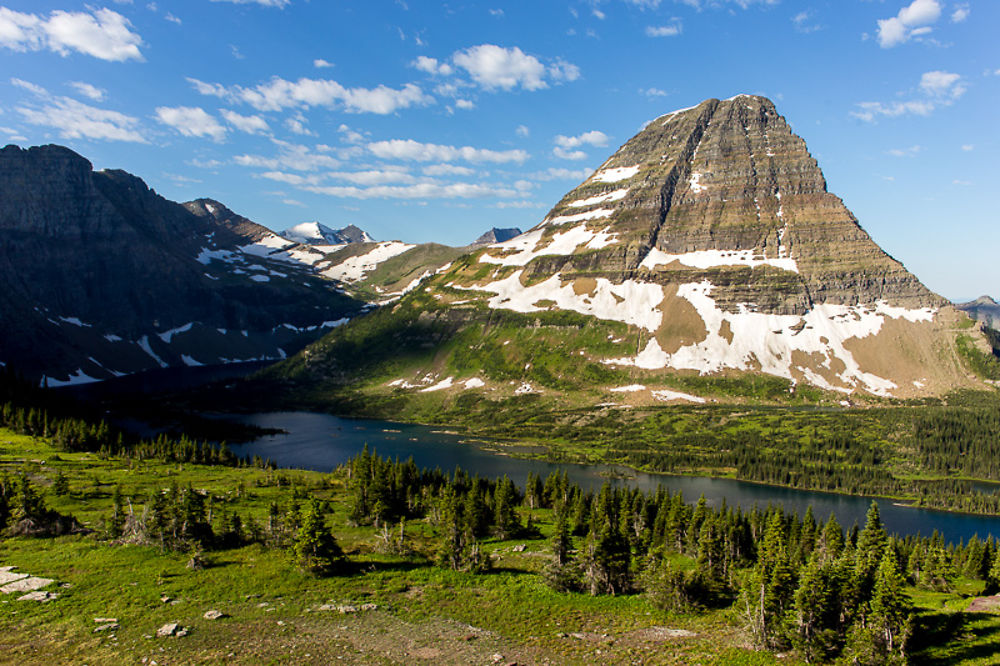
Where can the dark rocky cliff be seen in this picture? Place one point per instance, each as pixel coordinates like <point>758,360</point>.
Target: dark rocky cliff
<point>97,269</point>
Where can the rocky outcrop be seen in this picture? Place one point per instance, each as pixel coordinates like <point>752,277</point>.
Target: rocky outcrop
<point>496,235</point>
<point>102,276</point>
<point>984,309</point>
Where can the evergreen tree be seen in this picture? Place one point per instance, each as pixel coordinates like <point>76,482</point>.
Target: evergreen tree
<point>314,549</point>
<point>891,608</point>
<point>116,522</point>
<point>505,517</point>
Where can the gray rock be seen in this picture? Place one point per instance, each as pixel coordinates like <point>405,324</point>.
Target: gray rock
<point>26,584</point>
<point>169,629</point>
<point>214,615</point>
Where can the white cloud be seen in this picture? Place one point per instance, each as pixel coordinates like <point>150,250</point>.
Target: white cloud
<point>432,66</point>
<point>30,87</point>
<point>564,154</point>
<point>493,67</point>
<point>591,138</point>
<point>248,124</point>
<point>961,13</point>
<point>938,89</point>
<point>319,63</point>
<point>173,19</point>
<point>87,90</point>
<point>191,121</point>
<point>803,22</point>
<point>560,173</point>
<point>103,34</point>
<point>912,151</point>
<point>464,104</point>
<point>290,156</point>
<point>280,4</point>
<point>76,120</point>
<point>653,92</point>
<point>278,94</point>
<point>968,147</point>
<point>942,84</point>
<point>598,14</point>
<point>447,170</point>
<point>868,111</point>
<point>663,30</point>
<point>297,125</point>
<point>496,12</point>
<point>912,20</point>
<point>418,191</point>
<point>350,136</point>
<point>293,202</point>
<point>408,149</point>
<point>375,176</point>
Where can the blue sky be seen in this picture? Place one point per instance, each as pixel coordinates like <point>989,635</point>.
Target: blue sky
<point>437,121</point>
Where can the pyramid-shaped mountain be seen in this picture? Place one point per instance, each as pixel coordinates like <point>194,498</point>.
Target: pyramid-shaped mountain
<point>705,247</point>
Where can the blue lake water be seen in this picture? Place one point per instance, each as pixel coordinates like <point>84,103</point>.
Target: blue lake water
<point>322,442</point>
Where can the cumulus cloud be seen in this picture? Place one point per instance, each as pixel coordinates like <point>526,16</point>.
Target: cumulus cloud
<point>191,121</point>
<point>101,33</point>
<point>912,20</point>
<point>494,67</point>
<point>279,93</point>
<point>432,66</point>
<point>591,138</point>
<point>75,120</point>
<point>248,124</point>
<point>560,173</point>
<point>319,63</point>
<point>415,151</point>
<point>942,84</point>
<point>290,156</point>
<point>653,92</point>
<point>960,14</point>
<point>87,90</point>
<point>671,30</point>
<point>906,152</point>
<point>297,125</point>
<point>937,89</point>
<point>280,4</point>
<point>464,104</point>
<point>417,191</point>
<point>447,170</point>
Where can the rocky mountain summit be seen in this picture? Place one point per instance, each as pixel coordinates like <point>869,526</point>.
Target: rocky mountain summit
<point>102,276</point>
<point>707,247</point>
<point>496,235</point>
<point>984,309</point>
<point>314,233</point>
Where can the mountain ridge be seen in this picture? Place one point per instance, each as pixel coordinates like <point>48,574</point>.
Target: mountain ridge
<point>705,246</point>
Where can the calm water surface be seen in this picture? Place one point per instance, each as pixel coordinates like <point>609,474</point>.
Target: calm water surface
<point>321,442</point>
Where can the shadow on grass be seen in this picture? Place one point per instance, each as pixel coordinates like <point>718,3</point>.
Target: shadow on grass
<point>953,638</point>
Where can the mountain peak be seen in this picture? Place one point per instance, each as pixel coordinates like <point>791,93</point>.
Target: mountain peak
<point>315,233</point>
<point>496,235</point>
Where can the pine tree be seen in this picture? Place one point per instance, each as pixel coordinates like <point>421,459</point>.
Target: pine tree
<point>891,608</point>
<point>505,517</point>
<point>116,522</point>
<point>315,550</point>
<point>817,609</point>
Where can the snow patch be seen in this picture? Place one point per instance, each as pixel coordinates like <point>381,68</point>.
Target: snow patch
<point>631,388</point>
<point>525,388</point>
<point>580,217</point>
<point>355,268</point>
<point>766,342</point>
<point>615,175</point>
<point>617,195</point>
<point>714,258</point>
<point>188,361</point>
<point>76,322</point>
<point>144,345</point>
<point>631,302</point>
<point>695,182</point>
<point>443,384</point>
<point>560,243</point>
<point>166,336</point>
<point>475,382</point>
<point>666,395</point>
<point>260,278</point>
<point>78,377</point>
<point>111,337</point>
